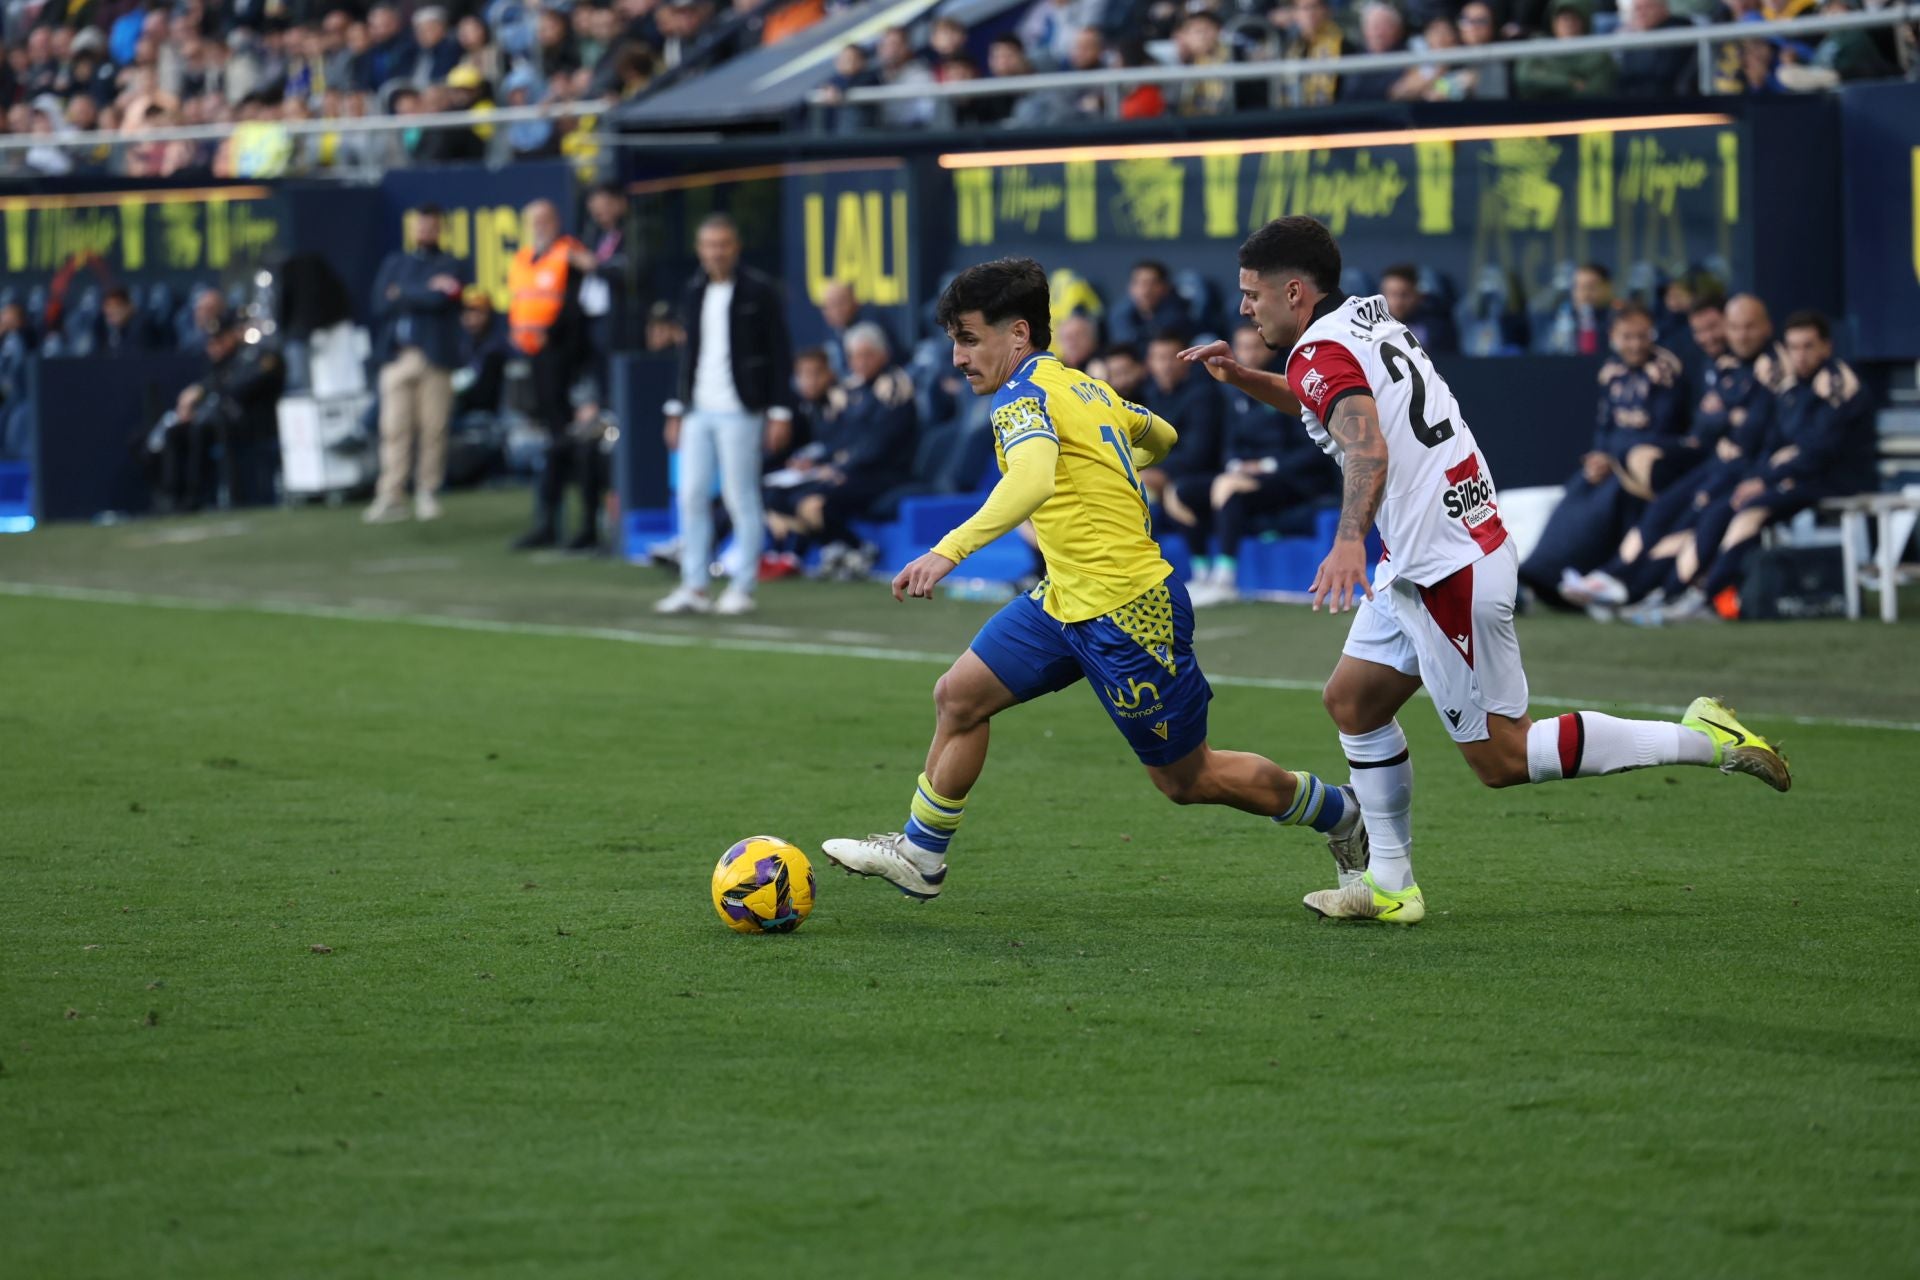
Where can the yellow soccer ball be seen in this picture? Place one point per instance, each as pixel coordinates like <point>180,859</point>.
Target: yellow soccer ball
<point>763,885</point>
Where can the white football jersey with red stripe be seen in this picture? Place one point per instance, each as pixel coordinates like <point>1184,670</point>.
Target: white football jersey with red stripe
<point>1440,512</point>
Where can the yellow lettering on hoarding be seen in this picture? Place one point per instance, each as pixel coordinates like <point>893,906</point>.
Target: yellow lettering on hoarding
<point>17,216</point>
<point>1083,204</point>
<point>219,246</point>
<point>1916,213</point>
<point>1729,177</point>
<point>813,217</point>
<point>849,244</point>
<point>973,194</point>
<point>1433,162</point>
<point>133,234</point>
<point>1221,178</point>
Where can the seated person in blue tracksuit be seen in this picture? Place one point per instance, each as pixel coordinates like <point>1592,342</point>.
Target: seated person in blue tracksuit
<point>1731,422</point>
<point>863,450</point>
<point>1639,446</point>
<point>1271,466</point>
<point>1821,444</point>
<point>1181,486</point>
<point>1151,306</point>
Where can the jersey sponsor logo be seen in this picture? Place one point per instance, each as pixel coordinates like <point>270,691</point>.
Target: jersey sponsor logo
<point>1313,386</point>
<point>1469,495</point>
<point>1137,691</point>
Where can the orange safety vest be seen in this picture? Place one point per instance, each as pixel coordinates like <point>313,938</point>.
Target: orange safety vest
<point>536,290</point>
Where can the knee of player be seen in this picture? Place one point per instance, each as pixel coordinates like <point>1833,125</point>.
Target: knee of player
<point>953,703</point>
<point>1344,710</point>
<point>1181,789</point>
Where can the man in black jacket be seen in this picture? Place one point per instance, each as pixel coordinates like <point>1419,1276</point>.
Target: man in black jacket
<point>735,378</point>
<point>417,297</point>
<point>230,410</point>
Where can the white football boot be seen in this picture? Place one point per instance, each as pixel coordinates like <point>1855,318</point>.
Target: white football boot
<point>892,857</point>
<point>684,600</point>
<point>734,602</point>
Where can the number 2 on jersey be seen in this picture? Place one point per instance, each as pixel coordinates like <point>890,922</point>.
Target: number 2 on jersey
<point>1124,448</point>
<point>1428,434</point>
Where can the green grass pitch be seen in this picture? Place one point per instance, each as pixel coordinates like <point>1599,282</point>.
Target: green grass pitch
<point>336,947</point>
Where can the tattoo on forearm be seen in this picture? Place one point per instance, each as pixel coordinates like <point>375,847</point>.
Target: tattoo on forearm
<point>1357,429</point>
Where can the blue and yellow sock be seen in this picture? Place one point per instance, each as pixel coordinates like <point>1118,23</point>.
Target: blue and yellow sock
<point>1315,804</point>
<point>932,819</point>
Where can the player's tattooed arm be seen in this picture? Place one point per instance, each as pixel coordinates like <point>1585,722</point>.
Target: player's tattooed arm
<point>1355,425</point>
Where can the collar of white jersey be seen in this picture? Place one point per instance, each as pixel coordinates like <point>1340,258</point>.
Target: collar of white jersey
<point>1327,305</point>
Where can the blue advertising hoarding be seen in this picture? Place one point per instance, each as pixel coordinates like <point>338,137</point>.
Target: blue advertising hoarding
<point>1880,140</point>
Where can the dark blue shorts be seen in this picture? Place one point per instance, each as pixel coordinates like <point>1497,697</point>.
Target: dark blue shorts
<point>1138,659</point>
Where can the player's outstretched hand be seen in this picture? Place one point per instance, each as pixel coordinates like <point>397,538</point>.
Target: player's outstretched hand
<point>1342,579</point>
<point>920,577</point>
<point>1216,358</point>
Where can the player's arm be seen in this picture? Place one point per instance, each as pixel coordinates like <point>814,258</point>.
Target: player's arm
<point>1151,435</point>
<point>1354,421</point>
<point>1032,461</point>
<point>1268,388</point>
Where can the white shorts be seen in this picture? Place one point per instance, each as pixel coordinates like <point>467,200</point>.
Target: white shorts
<point>1457,636</point>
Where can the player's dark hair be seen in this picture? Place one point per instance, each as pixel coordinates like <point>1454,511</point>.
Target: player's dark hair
<point>1002,290</point>
<point>1809,320</point>
<point>1402,271</point>
<point>1157,267</point>
<point>1296,244</point>
<point>1631,310</point>
<point>1598,270</point>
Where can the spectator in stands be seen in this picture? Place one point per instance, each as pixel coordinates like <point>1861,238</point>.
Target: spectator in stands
<point>1733,418</point>
<point>735,377</point>
<point>851,70</point>
<point>1855,55</point>
<point>435,52</point>
<point>1382,30</point>
<point>554,50</point>
<point>841,310</point>
<point>1271,467</point>
<point>898,66</point>
<point>206,315</point>
<point>947,39</point>
<point>1638,447</point>
<point>813,385</point>
<point>478,50</point>
<point>1122,369</point>
<point>545,325</point>
<point>1050,27</point>
<point>389,53</point>
<point>221,419</point>
<point>1484,79</point>
<point>119,329</point>
<point>1669,72</point>
<point>1087,52</point>
<point>1583,75</point>
<point>1315,36</point>
<point>1007,57</point>
<point>525,139</point>
<point>1579,323</point>
<point>16,348</point>
<point>1141,101</point>
<point>1183,481</point>
<point>1821,445</point>
<point>482,375</point>
<point>416,294</point>
<point>865,451</point>
<point>1197,43</point>
<point>1076,340</point>
<point>664,330</point>
<point>609,292</point>
<point>1432,81</point>
<point>1150,306</point>
<point>1431,326</point>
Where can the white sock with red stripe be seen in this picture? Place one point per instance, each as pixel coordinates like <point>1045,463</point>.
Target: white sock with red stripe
<point>1383,780</point>
<point>1586,744</point>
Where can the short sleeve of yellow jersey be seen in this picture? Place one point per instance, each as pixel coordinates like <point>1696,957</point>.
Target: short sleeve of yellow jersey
<point>1021,420</point>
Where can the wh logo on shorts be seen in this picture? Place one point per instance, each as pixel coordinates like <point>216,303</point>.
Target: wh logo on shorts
<point>1137,692</point>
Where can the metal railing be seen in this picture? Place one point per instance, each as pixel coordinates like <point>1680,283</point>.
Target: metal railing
<point>1705,38</point>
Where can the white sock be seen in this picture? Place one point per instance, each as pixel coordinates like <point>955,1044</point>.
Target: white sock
<point>1586,744</point>
<point>1383,780</point>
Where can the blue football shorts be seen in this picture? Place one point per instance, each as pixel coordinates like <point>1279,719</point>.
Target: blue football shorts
<point>1138,660</point>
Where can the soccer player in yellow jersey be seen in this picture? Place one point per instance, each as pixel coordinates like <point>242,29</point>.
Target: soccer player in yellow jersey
<point>1109,610</point>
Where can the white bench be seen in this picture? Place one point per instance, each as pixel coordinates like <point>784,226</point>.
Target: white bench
<point>1895,514</point>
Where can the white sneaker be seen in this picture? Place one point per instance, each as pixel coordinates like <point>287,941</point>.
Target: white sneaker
<point>733,602</point>
<point>1604,588</point>
<point>383,512</point>
<point>684,600</point>
<point>1207,593</point>
<point>426,507</point>
<point>892,857</point>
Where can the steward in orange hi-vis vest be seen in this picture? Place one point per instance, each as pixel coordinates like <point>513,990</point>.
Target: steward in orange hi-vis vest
<point>537,289</point>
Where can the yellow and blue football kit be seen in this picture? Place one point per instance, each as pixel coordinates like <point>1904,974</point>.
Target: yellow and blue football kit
<point>1069,449</point>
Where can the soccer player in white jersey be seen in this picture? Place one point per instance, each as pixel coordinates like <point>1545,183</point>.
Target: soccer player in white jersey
<point>1439,610</point>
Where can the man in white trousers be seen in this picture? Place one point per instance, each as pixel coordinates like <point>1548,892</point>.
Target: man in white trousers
<point>736,384</point>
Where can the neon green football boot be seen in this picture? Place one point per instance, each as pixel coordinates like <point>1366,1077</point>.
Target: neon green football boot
<point>1737,749</point>
<point>1365,900</point>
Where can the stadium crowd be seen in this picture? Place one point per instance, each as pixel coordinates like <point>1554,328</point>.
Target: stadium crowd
<point>126,67</point>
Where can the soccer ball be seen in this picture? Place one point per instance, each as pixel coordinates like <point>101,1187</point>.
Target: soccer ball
<point>763,885</point>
